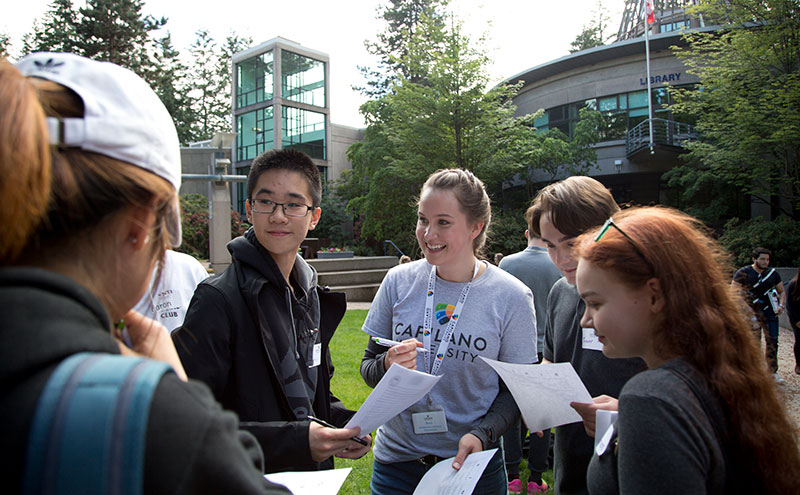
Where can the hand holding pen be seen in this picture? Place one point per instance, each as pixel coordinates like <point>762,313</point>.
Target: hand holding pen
<point>326,440</point>
<point>403,353</point>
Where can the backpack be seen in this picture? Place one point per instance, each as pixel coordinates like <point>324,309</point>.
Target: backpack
<point>89,429</point>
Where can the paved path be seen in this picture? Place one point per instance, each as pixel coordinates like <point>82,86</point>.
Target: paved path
<point>786,364</point>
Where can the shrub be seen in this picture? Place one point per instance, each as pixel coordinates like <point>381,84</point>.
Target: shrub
<point>507,233</point>
<point>781,236</point>
<point>194,220</point>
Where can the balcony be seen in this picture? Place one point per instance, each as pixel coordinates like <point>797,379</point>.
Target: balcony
<point>668,135</point>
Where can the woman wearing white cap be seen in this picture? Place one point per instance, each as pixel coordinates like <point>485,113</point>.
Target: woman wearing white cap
<point>88,216</point>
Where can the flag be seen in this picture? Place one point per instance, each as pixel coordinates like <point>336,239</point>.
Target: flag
<point>650,11</point>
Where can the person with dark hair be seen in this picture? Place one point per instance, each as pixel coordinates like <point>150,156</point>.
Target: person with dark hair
<point>460,308</point>
<point>793,312</point>
<point>706,416</point>
<point>559,214</point>
<point>757,282</point>
<point>90,163</point>
<point>258,334</point>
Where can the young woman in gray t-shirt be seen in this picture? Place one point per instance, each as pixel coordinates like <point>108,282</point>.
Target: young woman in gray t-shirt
<point>459,309</point>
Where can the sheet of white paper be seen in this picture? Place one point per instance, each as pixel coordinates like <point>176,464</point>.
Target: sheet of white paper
<point>603,420</point>
<point>543,392</point>
<point>442,479</point>
<point>398,389</point>
<point>325,482</point>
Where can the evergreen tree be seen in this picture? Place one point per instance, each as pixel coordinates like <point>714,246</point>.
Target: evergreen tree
<point>56,32</point>
<point>5,45</point>
<point>208,89</point>
<point>593,34</point>
<point>115,31</point>
<point>402,23</point>
<point>172,85</point>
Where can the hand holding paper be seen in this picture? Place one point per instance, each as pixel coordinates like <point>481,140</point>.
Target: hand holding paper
<point>543,392</point>
<point>442,479</point>
<point>398,389</point>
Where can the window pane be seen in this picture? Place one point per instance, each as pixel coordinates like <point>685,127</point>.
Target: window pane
<point>254,80</point>
<point>637,99</point>
<point>304,131</point>
<point>254,133</point>
<point>608,104</point>
<point>302,79</point>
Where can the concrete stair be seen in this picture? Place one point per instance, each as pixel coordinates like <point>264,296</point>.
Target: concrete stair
<point>359,277</point>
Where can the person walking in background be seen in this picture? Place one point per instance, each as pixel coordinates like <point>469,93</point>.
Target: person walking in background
<point>90,215</point>
<point>258,334</point>
<point>171,288</point>
<point>473,309</point>
<point>705,417</point>
<point>758,281</point>
<point>533,267</point>
<point>793,311</point>
<point>559,214</point>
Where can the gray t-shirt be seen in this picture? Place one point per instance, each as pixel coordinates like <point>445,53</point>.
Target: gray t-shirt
<point>535,269</point>
<point>497,322</point>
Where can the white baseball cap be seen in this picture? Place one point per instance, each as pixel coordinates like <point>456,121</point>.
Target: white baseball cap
<point>123,118</point>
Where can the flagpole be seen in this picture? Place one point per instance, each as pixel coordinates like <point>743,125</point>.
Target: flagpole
<point>649,92</point>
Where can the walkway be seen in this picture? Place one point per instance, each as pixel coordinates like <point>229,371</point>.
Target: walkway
<point>786,364</point>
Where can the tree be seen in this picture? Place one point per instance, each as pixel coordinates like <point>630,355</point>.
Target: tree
<point>593,34</point>
<point>171,84</point>
<point>403,19</point>
<point>115,31</point>
<point>56,32</point>
<point>5,45</point>
<point>448,119</point>
<point>747,113</point>
<point>210,75</point>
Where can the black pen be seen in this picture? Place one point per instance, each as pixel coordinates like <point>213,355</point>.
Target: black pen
<point>328,425</point>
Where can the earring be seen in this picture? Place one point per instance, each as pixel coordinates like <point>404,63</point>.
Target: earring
<point>133,240</point>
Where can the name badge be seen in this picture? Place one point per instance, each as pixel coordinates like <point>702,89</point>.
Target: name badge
<point>590,340</point>
<point>429,422</point>
<point>316,355</point>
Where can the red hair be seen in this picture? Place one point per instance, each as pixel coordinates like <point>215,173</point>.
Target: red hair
<point>703,322</point>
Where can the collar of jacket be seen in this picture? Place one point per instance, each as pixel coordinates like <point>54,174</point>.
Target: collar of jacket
<point>247,250</point>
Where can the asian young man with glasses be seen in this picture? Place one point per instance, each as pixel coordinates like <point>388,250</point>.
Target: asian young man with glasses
<point>258,333</point>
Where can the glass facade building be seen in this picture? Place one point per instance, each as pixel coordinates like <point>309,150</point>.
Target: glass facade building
<point>280,101</point>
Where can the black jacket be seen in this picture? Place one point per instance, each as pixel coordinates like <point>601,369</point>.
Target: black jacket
<point>228,340</point>
<point>192,445</point>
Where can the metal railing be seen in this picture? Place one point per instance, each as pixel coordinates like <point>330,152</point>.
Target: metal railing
<point>385,250</point>
<point>665,132</point>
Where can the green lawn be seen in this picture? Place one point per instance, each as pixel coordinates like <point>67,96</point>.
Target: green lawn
<point>347,347</point>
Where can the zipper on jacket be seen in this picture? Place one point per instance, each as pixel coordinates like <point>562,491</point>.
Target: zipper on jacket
<point>291,318</point>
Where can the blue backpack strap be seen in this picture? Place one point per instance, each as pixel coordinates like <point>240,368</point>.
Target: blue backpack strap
<point>89,429</point>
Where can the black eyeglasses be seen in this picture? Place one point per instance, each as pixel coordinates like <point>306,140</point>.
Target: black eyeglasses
<point>289,209</point>
<point>610,223</point>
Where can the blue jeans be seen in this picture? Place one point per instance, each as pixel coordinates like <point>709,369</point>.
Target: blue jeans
<point>401,478</point>
<point>771,342</point>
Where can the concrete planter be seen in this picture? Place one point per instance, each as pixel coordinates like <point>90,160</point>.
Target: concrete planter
<point>331,255</point>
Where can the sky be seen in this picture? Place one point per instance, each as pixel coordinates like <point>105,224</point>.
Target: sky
<point>519,34</point>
